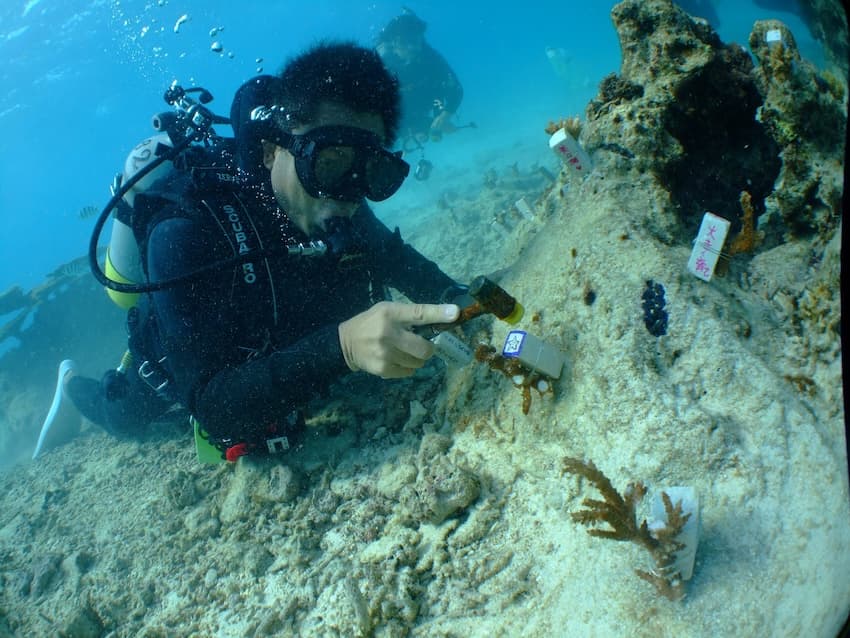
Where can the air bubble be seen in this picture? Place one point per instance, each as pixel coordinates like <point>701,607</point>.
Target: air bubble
<point>180,22</point>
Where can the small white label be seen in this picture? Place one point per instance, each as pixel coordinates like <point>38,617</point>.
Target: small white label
<point>684,557</point>
<point>451,349</point>
<point>513,343</point>
<point>570,152</point>
<point>709,242</point>
<point>524,209</point>
<point>774,35</point>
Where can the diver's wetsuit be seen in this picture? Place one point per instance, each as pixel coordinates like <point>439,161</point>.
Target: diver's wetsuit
<point>246,345</point>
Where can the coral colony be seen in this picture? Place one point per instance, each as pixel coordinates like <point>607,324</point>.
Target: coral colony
<point>668,541</point>
<point>520,376</point>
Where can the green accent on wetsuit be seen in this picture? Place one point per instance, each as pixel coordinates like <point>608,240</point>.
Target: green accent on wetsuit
<point>207,452</point>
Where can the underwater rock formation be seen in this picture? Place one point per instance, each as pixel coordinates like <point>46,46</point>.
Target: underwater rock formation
<point>685,110</point>
<point>805,113</point>
<point>827,21</point>
<point>709,124</point>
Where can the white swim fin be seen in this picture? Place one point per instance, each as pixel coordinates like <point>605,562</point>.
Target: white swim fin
<point>63,422</point>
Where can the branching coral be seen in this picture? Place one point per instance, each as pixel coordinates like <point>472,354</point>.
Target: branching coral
<point>619,512</point>
<point>748,238</point>
<point>781,54</point>
<point>519,375</point>
<point>571,124</point>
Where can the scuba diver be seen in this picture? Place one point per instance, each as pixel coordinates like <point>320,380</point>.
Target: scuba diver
<point>430,90</point>
<point>253,270</point>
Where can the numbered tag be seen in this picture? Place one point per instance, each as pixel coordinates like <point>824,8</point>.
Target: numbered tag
<point>712,234</point>
<point>570,152</point>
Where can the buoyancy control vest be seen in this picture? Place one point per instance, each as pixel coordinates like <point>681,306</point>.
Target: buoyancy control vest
<point>186,152</point>
<point>168,181</point>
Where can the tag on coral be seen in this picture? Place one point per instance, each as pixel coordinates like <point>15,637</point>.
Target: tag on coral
<point>712,234</point>
<point>524,209</point>
<point>533,353</point>
<point>570,152</point>
<point>773,35</point>
<point>688,535</point>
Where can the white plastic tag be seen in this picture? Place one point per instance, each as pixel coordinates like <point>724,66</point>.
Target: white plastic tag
<point>773,35</point>
<point>683,562</point>
<point>534,353</point>
<point>524,209</point>
<point>570,152</point>
<point>451,349</point>
<point>712,234</point>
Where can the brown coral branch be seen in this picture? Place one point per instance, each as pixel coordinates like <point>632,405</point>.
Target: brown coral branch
<point>747,239</point>
<point>619,512</point>
<point>571,124</point>
<point>676,519</point>
<point>519,375</point>
<point>670,588</point>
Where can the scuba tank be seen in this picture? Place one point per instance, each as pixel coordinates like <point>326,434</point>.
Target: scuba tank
<point>123,261</point>
<point>190,124</point>
<point>166,162</point>
<point>187,151</point>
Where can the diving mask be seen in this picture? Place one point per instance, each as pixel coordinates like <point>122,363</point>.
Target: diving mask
<point>344,163</point>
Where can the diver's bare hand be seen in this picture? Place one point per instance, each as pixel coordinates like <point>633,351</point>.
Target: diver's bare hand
<point>443,123</point>
<point>379,340</point>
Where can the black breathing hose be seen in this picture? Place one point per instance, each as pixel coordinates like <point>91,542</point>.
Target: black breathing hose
<point>312,249</point>
<point>96,270</point>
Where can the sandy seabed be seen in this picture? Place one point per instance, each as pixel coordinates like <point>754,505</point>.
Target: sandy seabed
<point>434,507</point>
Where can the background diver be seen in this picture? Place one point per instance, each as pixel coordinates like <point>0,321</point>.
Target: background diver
<point>430,90</point>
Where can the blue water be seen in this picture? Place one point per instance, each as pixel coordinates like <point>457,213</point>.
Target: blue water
<point>82,80</point>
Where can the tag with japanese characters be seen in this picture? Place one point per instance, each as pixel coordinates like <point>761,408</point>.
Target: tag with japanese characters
<point>570,152</point>
<point>704,256</point>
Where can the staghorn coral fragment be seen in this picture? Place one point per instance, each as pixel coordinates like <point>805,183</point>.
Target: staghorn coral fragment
<point>617,510</point>
<point>662,538</point>
<point>668,529</point>
<point>520,376</point>
<point>672,589</point>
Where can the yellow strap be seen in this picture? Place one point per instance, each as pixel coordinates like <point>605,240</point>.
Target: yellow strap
<point>125,300</point>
